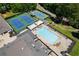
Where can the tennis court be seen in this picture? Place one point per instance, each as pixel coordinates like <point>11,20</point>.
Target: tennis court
<point>17,23</point>
<point>20,22</point>
<point>27,19</point>
<point>39,14</point>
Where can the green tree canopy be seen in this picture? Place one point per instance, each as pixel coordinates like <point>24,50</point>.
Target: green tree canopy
<point>17,7</point>
<point>22,7</point>
<point>70,11</point>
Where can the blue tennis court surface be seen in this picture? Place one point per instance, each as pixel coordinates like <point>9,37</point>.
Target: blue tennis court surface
<point>17,23</point>
<point>39,14</point>
<point>20,22</point>
<point>27,19</point>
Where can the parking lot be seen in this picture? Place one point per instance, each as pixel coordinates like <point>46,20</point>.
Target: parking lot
<point>23,46</point>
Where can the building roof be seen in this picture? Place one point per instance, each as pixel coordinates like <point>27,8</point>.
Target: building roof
<point>4,26</point>
<point>32,26</point>
<point>39,22</point>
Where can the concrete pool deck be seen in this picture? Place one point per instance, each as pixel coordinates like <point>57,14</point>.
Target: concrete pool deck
<point>64,42</point>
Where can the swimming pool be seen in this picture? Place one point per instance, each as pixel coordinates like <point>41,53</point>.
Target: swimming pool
<point>49,36</point>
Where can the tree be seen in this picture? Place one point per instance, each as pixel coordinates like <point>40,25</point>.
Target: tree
<point>70,11</point>
<point>4,7</point>
<point>22,7</point>
<point>17,7</point>
<point>75,34</point>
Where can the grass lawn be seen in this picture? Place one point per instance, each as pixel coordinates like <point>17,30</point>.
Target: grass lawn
<point>8,14</point>
<point>66,30</point>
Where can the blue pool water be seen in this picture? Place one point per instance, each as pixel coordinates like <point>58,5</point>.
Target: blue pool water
<point>39,14</point>
<point>17,24</point>
<point>49,36</point>
<point>27,19</point>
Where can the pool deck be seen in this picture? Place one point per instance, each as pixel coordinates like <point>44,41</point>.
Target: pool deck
<point>64,42</point>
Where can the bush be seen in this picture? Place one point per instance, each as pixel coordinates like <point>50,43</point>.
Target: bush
<point>75,34</point>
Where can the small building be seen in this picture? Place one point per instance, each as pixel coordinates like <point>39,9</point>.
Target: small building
<point>65,21</point>
<point>4,26</point>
